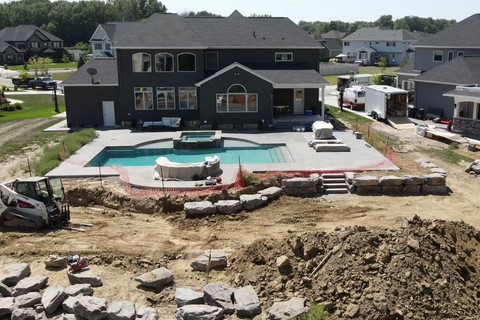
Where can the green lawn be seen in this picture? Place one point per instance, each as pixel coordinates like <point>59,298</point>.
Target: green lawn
<point>34,106</point>
<point>332,79</point>
<point>51,66</point>
<point>61,75</point>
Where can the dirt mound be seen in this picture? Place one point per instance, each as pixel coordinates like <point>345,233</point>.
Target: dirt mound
<point>424,270</point>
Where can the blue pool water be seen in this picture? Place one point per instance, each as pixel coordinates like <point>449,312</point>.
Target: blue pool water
<point>132,157</point>
<point>198,137</point>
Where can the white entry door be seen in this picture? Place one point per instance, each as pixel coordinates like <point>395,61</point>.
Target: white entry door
<point>298,101</point>
<point>108,113</point>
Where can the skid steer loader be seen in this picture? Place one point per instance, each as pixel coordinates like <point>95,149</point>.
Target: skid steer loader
<point>33,203</point>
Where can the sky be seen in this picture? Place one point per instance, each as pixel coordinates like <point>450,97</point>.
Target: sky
<point>323,10</point>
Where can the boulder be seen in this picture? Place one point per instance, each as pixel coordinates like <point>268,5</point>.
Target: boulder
<point>393,189</point>
<point>368,189</point>
<point>228,206</point>
<point>434,179</point>
<point>252,201</point>
<point>470,166</point>
<point>247,302</point>
<point>91,308</point>
<point>349,176</point>
<point>475,169</point>
<point>390,181</point>
<point>52,298</point>
<point>54,261</point>
<point>287,309</point>
<point>85,276</point>
<point>410,180</point>
<point>158,278</point>
<point>69,302</point>
<point>68,317</point>
<point>24,314</point>
<point>199,312</point>
<point>299,183</point>
<point>426,189</point>
<point>10,274</point>
<point>186,296</point>
<point>5,290</point>
<point>271,193</point>
<point>7,306</point>
<point>413,189</point>
<point>366,181</point>
<point>199,209</point>
<point>217,295</point>
<point>121,310</point>
<point>29,284</point>
<point>352,310</point>
<point>84,289</point>
<point>147,313</point>
<point>28,300</point>
<point>427,164</point>
<point>283,262</point>
<point>215,259</point>
<point>300,191</point>
<point>439,171</point>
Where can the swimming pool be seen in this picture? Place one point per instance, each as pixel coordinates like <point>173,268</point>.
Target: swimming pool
<point>134,157</point>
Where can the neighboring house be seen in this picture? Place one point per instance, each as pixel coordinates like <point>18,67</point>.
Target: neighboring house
<point>443,61</point>
<point>107,35</point>
<point>18,44</point>
<point>331,44</point>
<point>467,109</point>
<point>231,71</point>
<point>370,44</point>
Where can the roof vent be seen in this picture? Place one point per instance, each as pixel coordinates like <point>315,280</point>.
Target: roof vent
<point>254,35</point>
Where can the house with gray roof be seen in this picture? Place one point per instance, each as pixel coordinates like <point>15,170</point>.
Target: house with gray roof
<point>18,44</point>
<point>370,44</point>
<point>443,61</point>
<point>105,37</point>
<point>231,71</point>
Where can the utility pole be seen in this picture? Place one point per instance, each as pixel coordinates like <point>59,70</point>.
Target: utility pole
<point>55,97</point>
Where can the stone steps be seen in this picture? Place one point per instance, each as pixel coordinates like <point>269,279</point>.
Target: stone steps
<point>334,183</point>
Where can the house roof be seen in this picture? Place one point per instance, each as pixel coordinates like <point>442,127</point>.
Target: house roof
<point>459,91</point>
<point>4,46</point>
<point>333,34</point>
<point>106,74</point>
<point>23,32</point>
<point>117,30</point>
<point>165,30</point>
<point>382,34</point>
<point>332,44</point>
<point>460,71</point>
<point>408,68</point>
<point>278,78</point>
<point>463,34</point>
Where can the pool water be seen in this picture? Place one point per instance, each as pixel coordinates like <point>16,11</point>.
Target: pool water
<point>132,157</point>
<point>197,137</point>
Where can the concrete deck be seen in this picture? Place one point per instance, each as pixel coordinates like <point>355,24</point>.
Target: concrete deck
<point>302,157</point>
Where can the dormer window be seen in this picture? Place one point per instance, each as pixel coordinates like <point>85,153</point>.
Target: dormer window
<point>186,62</point>
<point>98,46</point>
<point>141,62</point>
<point>437,56</point>
<point>283,56</point>
<point>164,62</point>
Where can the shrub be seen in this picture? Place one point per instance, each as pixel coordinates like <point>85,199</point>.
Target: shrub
<point>316,312</point>
<point>17,106</point>
<point>4,87</point>
<point>249,178</point>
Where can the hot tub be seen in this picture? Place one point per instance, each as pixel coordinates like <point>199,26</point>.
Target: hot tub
<point>198,140</point>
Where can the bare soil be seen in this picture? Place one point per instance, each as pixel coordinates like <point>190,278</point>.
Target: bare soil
<point>129,239</point>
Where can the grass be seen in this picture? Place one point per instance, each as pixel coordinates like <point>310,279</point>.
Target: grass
<point>449,154</point>
<point>332,79</point>
<point>34,106</point>
<point>347,117</point>
<point>60,76</point>
<point>316,312</point>
<point>51,66</point>
<point>53,155</point>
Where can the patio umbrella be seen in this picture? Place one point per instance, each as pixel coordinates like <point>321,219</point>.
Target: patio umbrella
<point>340,55</point>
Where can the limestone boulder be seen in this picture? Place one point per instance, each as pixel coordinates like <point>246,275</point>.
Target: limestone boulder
<point>215,259</point>
<point>299,183</point>
<point>252,201</point>
<point>287,309</point>
<point>366,181</point>
<point>52,298</point>
<point>91,308</point>
<point>147,313</point>
<point>283,262</point>
<point>29,284</point>
<point>186,296</point>
<point>5,290</point>
<point>7,305</point>
<point>69,302</point>
<point>28,300</point>
<point>85,276</point>
<point>434,179</point>
<point>217,295</point>
<point>199,312</point>
<point>271,192</point>
<point>199,209</point>
<point>228,206</point>
<point>11,274</point>
<point>121,310</point>
<point>247,302</point>
<point>390,181</point>
<point>54,261</point>
<point>410,180</point>
<point>84,289</point>
<point>24,314</point>
<point>158,278</point>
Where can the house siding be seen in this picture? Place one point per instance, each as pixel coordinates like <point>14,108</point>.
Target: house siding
<point>424,56</point>
<point>84,105</point>
<point>396,54</point>
<point>430,96</point>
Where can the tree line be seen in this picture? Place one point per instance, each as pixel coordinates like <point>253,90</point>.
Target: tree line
<point>411,23</point>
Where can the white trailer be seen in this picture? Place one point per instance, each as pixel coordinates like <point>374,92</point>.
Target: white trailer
<point>354,97</point>
<point>388,103</point>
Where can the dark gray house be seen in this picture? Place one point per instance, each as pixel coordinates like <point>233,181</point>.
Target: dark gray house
<point>443,61</point>
<point>227,70</point>
<point>18,44</point>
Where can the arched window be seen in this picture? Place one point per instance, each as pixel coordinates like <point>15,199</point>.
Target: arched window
<point>164,62</point>
<point>141,62</point>
<point>237,99</point>
<point>186,62</point>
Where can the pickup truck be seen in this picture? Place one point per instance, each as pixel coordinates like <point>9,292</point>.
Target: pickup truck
<point>42,82</point>
<point>21,82</point>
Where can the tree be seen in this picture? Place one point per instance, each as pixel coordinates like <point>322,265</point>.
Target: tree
<point>66,60</point>
<point>81,62</point>
<point>383,63</point>
<point>34,62</point>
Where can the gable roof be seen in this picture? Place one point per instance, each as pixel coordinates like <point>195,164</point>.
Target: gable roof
<point>117,30</point>
<point>459,71</point>
<point>107,74</point>
<point>4,46</point>
<point>382,34</point>
<point>463,34</point>
<point>23,32</point>
<point>408,68</point>
<point>332,44</point>
<point>166,30</point>
<point>333,34</point>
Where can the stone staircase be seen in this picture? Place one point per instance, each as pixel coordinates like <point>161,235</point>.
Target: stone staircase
<point>334,183</point>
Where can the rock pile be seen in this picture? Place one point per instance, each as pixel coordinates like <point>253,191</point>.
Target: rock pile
<point>473,168</point>
<point>424,270</point>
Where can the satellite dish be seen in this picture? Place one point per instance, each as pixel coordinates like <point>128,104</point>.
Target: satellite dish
<point>92,71</point>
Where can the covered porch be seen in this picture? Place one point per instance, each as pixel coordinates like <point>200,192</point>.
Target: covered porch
<point>466,112</point>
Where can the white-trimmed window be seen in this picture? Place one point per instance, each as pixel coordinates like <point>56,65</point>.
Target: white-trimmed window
<point>450,55</point>
<point>108,46</point>
<point>347,43</point>
<point>186,62</point>
<point>98,46</point>
<point>237,99</point>
<point>391,44</point>
<point>211,60</point>
<point>460,54</point>
<point>141,62</point>
<point>283,56</point>
<point>437,56</point>
<point>164,62</point>
<point>165,98</point>
<point>187,97</point>
<point>34,44</point>
<point>56,44</point>
<point>143,98</point>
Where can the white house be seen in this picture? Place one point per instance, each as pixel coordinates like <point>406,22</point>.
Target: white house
<point>107,35</point>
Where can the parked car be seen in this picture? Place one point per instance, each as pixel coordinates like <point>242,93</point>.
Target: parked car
<point>42,82</point>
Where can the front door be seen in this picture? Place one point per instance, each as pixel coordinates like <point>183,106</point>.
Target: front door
<point>298,101</point>
<point>108,113</point>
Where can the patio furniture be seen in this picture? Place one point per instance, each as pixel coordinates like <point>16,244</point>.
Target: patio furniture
<point>166,169</point>
<point>322,130</point>
<point>165,123</point>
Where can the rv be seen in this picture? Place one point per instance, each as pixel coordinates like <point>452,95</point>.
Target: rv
<point>354,97</point>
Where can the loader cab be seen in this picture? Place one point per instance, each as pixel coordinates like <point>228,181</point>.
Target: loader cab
<point>40,189</point>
